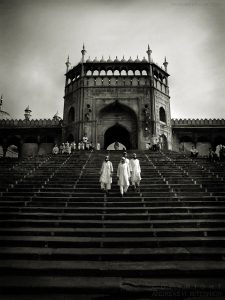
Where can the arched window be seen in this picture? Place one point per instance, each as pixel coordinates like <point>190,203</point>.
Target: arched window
<point>88,73</point>
<point>102,73</point>
<point>137,73</point>
<point>116,73</point>
<point>130,73</point>
<point>95,73</point>
<point>144,73</point>
<point>109,73</point>
<point>123,73</point>
<point>162,115</point>
<point>71,115</point>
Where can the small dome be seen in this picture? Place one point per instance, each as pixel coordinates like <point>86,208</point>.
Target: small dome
<point>144,59</point>
<point>123,59</point>
<point>116,59</point>
<point>130,59</point>
<point>102,60</point>
<point>137,59</point>
<point>109,59</point>
<point>95,60</point>
<point>88,60</point>
<point>4,115</point>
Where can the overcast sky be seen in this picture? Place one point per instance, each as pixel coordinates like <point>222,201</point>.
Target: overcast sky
<point>36,37</point>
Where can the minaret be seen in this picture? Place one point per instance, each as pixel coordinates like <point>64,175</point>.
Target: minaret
<point>149,52</point>
<point>27,114</point>
<point>67,63</point>
<point>165,64</point>
<point>83,51</point>
<point>1,101</point>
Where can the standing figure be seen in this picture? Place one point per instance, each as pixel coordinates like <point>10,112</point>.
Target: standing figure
<point>123,174</point>
<point>62,148</point>
<point>85,140</point>
<point>55,150</point>
<point>194,152</point>
<point>73,146</point>
<point>135,171</point>
<point>67,148</point>
<point>127,161</point>
<point>116,145</point>
<point>106,175</point>
<point>218,151</point>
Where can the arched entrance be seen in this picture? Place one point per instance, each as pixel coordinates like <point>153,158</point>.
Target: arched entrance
<point>118,123</point>
<point>117,133</point>
<point>164,143</point>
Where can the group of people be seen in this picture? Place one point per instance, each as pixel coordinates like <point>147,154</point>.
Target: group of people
<point>68,148</point>
<point>218,154</point>
<point>128,171</point>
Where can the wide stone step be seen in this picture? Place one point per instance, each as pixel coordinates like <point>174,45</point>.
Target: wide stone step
<point>113,268</point>
<point>112,232</point>
<point>89,287</point>
<point>138,254</point>
<point>102,223</point>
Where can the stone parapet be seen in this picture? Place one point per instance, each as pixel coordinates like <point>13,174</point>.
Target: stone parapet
<point>40,123</point>
<point>176,123</point>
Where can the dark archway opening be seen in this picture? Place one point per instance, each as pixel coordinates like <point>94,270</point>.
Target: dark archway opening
<point>70,138</point>
<point>117,133</point>
<point>164,142</point>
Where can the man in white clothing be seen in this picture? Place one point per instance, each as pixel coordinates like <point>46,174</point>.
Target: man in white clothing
<point>123,174</point>
<point>106,175</point>
<point>135,170</point>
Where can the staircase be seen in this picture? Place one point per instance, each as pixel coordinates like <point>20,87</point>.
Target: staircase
<point>59,234</point>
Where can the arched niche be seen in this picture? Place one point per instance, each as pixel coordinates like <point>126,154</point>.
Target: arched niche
<point>119,114</point>
<point>71,115</point>
<point>162,115</point>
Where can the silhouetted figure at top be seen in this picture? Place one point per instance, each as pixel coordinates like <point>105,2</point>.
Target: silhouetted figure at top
<point>116,145</point>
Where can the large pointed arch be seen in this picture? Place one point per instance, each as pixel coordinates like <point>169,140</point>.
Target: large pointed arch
<point>119,121</point>
<point>117,133</point>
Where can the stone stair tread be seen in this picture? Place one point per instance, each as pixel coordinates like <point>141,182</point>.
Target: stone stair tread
<point>101,266</point>
<point>109,239</point>
<point>115,285</point>
<point>104,230</point>
<point>113,251</point>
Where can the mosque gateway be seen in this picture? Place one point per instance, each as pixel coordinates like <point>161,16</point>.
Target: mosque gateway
<point>111,100</point>
<point>117,100</point>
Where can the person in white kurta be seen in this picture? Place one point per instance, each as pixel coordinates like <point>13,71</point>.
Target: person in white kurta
<point>135,170</point>
<point>106,175</point>
<point>123,174</point>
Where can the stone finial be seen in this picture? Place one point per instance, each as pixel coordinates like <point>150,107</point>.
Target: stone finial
<point>27,114</point>
<point>149,52</point>
<point>165,64</point>
<point>1,102</point>
<point>56,117</point>
<point>67,63</point>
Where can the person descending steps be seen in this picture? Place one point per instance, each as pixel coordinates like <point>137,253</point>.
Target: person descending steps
<point>106,173</point>
<point>135,171</point>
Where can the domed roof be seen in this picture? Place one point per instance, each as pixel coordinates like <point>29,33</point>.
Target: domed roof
<point>116,59</point>
<point>95,60</point>
<point>102,60</point>
<point>4,115</point>
<point>130,59</point>
<point>88,60</point>
<point>137,59</point>
<point>144,59</point>
<point>109,59</point>
<point>123,59</point>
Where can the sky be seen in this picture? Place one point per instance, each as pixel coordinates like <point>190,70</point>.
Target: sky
<point>36,36</point>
